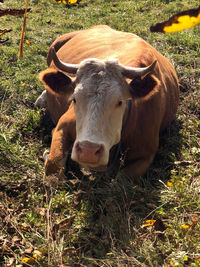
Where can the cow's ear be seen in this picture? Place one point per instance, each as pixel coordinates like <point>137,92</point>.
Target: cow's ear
<point>144,87</point>
<point>56,82</point>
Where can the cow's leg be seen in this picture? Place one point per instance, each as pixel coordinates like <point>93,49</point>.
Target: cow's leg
<point>55,165</point>
<point>41,101</point>
<point>62,141</point>
<point>56,159</point>
<point>138,167</point>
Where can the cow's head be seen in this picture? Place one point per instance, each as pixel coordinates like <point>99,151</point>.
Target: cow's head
<point>99,94</point>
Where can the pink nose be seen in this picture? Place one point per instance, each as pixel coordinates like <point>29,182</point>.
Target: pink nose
<point>88,152</point>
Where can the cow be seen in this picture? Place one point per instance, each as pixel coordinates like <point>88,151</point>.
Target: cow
<point>104,87</point>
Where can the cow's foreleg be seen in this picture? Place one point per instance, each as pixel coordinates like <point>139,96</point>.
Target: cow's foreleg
<point>55,165</point>
<point>56,160</point>
<point>62,141</point>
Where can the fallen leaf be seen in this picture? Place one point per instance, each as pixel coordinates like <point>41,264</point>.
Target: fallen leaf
<point>73,2</point>
<point>40,252</point>
<point>148,223</point>
<point>12,12</point>
<point>35,256</point>
<point>69,2</point>
<point>169,184</point>
<point>61,1</point>
<point>178,22</point>
<point>28,42</point>
<point>40,211</point>
<point>185,226</point>
<point>28,250</point>
<point>10,262</point>
<point>24,227</point>
<point>75,181</point>
<point>64,223</point>
<point>15,240</point>
<point>28,260</point>
<point>4,31</point>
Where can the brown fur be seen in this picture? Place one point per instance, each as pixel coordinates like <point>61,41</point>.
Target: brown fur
<point>152,109</point>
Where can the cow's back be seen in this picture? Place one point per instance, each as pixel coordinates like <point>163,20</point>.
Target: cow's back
<point>100,42</point>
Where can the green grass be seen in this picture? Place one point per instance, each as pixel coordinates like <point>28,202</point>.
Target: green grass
<point>85,220</point>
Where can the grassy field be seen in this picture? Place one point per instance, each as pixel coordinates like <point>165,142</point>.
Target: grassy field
<point>88,220</point>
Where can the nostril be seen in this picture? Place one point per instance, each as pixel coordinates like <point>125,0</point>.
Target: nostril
<point>78,147</point>
<point>99,151</point>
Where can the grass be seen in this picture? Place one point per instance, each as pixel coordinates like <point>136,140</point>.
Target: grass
<point>87,220</point>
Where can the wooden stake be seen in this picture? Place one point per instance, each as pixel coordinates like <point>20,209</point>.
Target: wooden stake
<point>23,31</point>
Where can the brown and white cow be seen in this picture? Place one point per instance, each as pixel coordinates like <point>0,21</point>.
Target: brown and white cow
<point>91,76</point>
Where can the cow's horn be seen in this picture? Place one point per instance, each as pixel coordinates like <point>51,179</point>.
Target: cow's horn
<point>131,72</point>
<point>70,68</point>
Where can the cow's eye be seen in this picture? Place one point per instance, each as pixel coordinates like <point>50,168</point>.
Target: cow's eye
<point>119,103</point>
<point>74,100</point>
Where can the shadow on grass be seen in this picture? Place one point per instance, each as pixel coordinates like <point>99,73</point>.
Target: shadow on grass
<point>116,206</point>
<point>168,152</point>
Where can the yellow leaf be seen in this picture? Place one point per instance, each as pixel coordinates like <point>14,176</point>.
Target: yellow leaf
<point>69,2</point>
<point>72,1</point>
<point>185,226</point>
<point>4,31</point>
<point>35,256</point>
<point>169,184</point>
<point>28,260</point>
<point>61,1</point>
<point>39,252</point>
<point>28,42</point>
<point>148,223</point>
<point>181,21</point>
<point>24,227</point>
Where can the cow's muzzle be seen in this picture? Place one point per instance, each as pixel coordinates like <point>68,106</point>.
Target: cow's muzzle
<point>89,153</point>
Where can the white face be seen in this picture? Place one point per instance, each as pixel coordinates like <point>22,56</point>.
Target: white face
<point>99,102</point>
